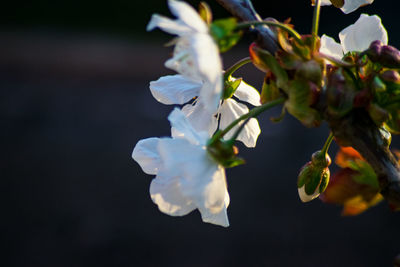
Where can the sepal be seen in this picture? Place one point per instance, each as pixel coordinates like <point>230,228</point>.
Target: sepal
<point>225,153</point>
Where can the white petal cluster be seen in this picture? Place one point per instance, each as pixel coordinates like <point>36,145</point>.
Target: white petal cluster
<point>200,75</point>
<point>356,37</point>
<point>349,5</point>
<point>196,56</point>
<point>187,178</point>
<point>177,89</point>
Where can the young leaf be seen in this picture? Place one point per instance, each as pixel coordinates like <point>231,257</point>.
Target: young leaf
<point>224,33</point>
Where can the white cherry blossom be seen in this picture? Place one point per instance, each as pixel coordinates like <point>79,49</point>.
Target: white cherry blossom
<point>178,89</point>
<point>187,178</point>
<point>196,55</point>
<point>356,37</point>
<point>349,5</point>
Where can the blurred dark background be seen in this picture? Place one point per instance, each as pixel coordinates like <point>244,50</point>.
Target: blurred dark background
<point>74,100</point>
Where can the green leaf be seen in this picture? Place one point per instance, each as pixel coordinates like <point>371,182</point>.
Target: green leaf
<point>298,103</point>
<point>225,34</point>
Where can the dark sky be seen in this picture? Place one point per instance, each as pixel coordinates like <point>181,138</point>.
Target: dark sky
<point>129,17</point>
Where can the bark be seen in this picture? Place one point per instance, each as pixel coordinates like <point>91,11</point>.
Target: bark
<point>356,130</point>
<point>243,10</point>
<point>360,132</point>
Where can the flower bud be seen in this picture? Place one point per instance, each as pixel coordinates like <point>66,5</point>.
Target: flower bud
<point>390,76</point>
<point>314,177</point>
<point>374,50</point>
<point>386,55</point>
<point>390,57</point>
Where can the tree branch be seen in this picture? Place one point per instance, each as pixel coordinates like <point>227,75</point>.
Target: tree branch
<point>360,132</point>
<point>244,11</point>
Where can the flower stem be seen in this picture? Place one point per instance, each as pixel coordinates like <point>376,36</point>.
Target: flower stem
<point>236,66</point>
<point>251,114</point>
<point>283,26</point>
<point>315,23</point>
<point>327,144</point>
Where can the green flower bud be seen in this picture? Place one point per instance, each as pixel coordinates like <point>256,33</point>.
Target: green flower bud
<point>314,177</point>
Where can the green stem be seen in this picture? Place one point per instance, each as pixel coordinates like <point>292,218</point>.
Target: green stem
<point>315,23</point>
<point>251,114</point>
<point>328,142</point>
<point>283,26</point>
<point>236,66</point>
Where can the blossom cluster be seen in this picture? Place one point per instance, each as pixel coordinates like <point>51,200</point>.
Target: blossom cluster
<point>188,176</point>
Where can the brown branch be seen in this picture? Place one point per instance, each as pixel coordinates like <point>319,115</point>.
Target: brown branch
<point>243,10</point>
<point>360,132</point>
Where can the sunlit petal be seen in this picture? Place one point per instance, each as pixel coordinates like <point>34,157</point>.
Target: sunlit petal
<point>166,193</point>
<point>231,110</point>
<point>330,47</point>
<point>248,93</point>
<point>359,36</point>
<point>145,153</point>
<point>174,89</point>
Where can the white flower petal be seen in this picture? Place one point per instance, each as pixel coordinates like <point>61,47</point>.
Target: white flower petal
<point>168,25</point>
<point>326,3</point>
<point>208,63</point>
<point>220,218</point>
<point>146,154</point>
<point>202,179</point>
<point>177,153</point>
<point>210,195</point>
<point>183,60</point>
<point>248,93</point>
<point>174,89</point>
<point>184,129</point>
<point>166,193</point>
<point>187,15</point>
<point>303,195</point>
<point>330,47</point>
<point>231,110</point>
<point>351,5</point>
<point>359,36</point>
<point>200,119</point>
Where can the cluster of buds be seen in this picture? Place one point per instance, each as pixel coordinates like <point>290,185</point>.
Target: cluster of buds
<point>386,55</point>
<point>295,72</point>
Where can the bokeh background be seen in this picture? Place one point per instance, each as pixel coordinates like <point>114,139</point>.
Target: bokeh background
<point>74,100</point>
